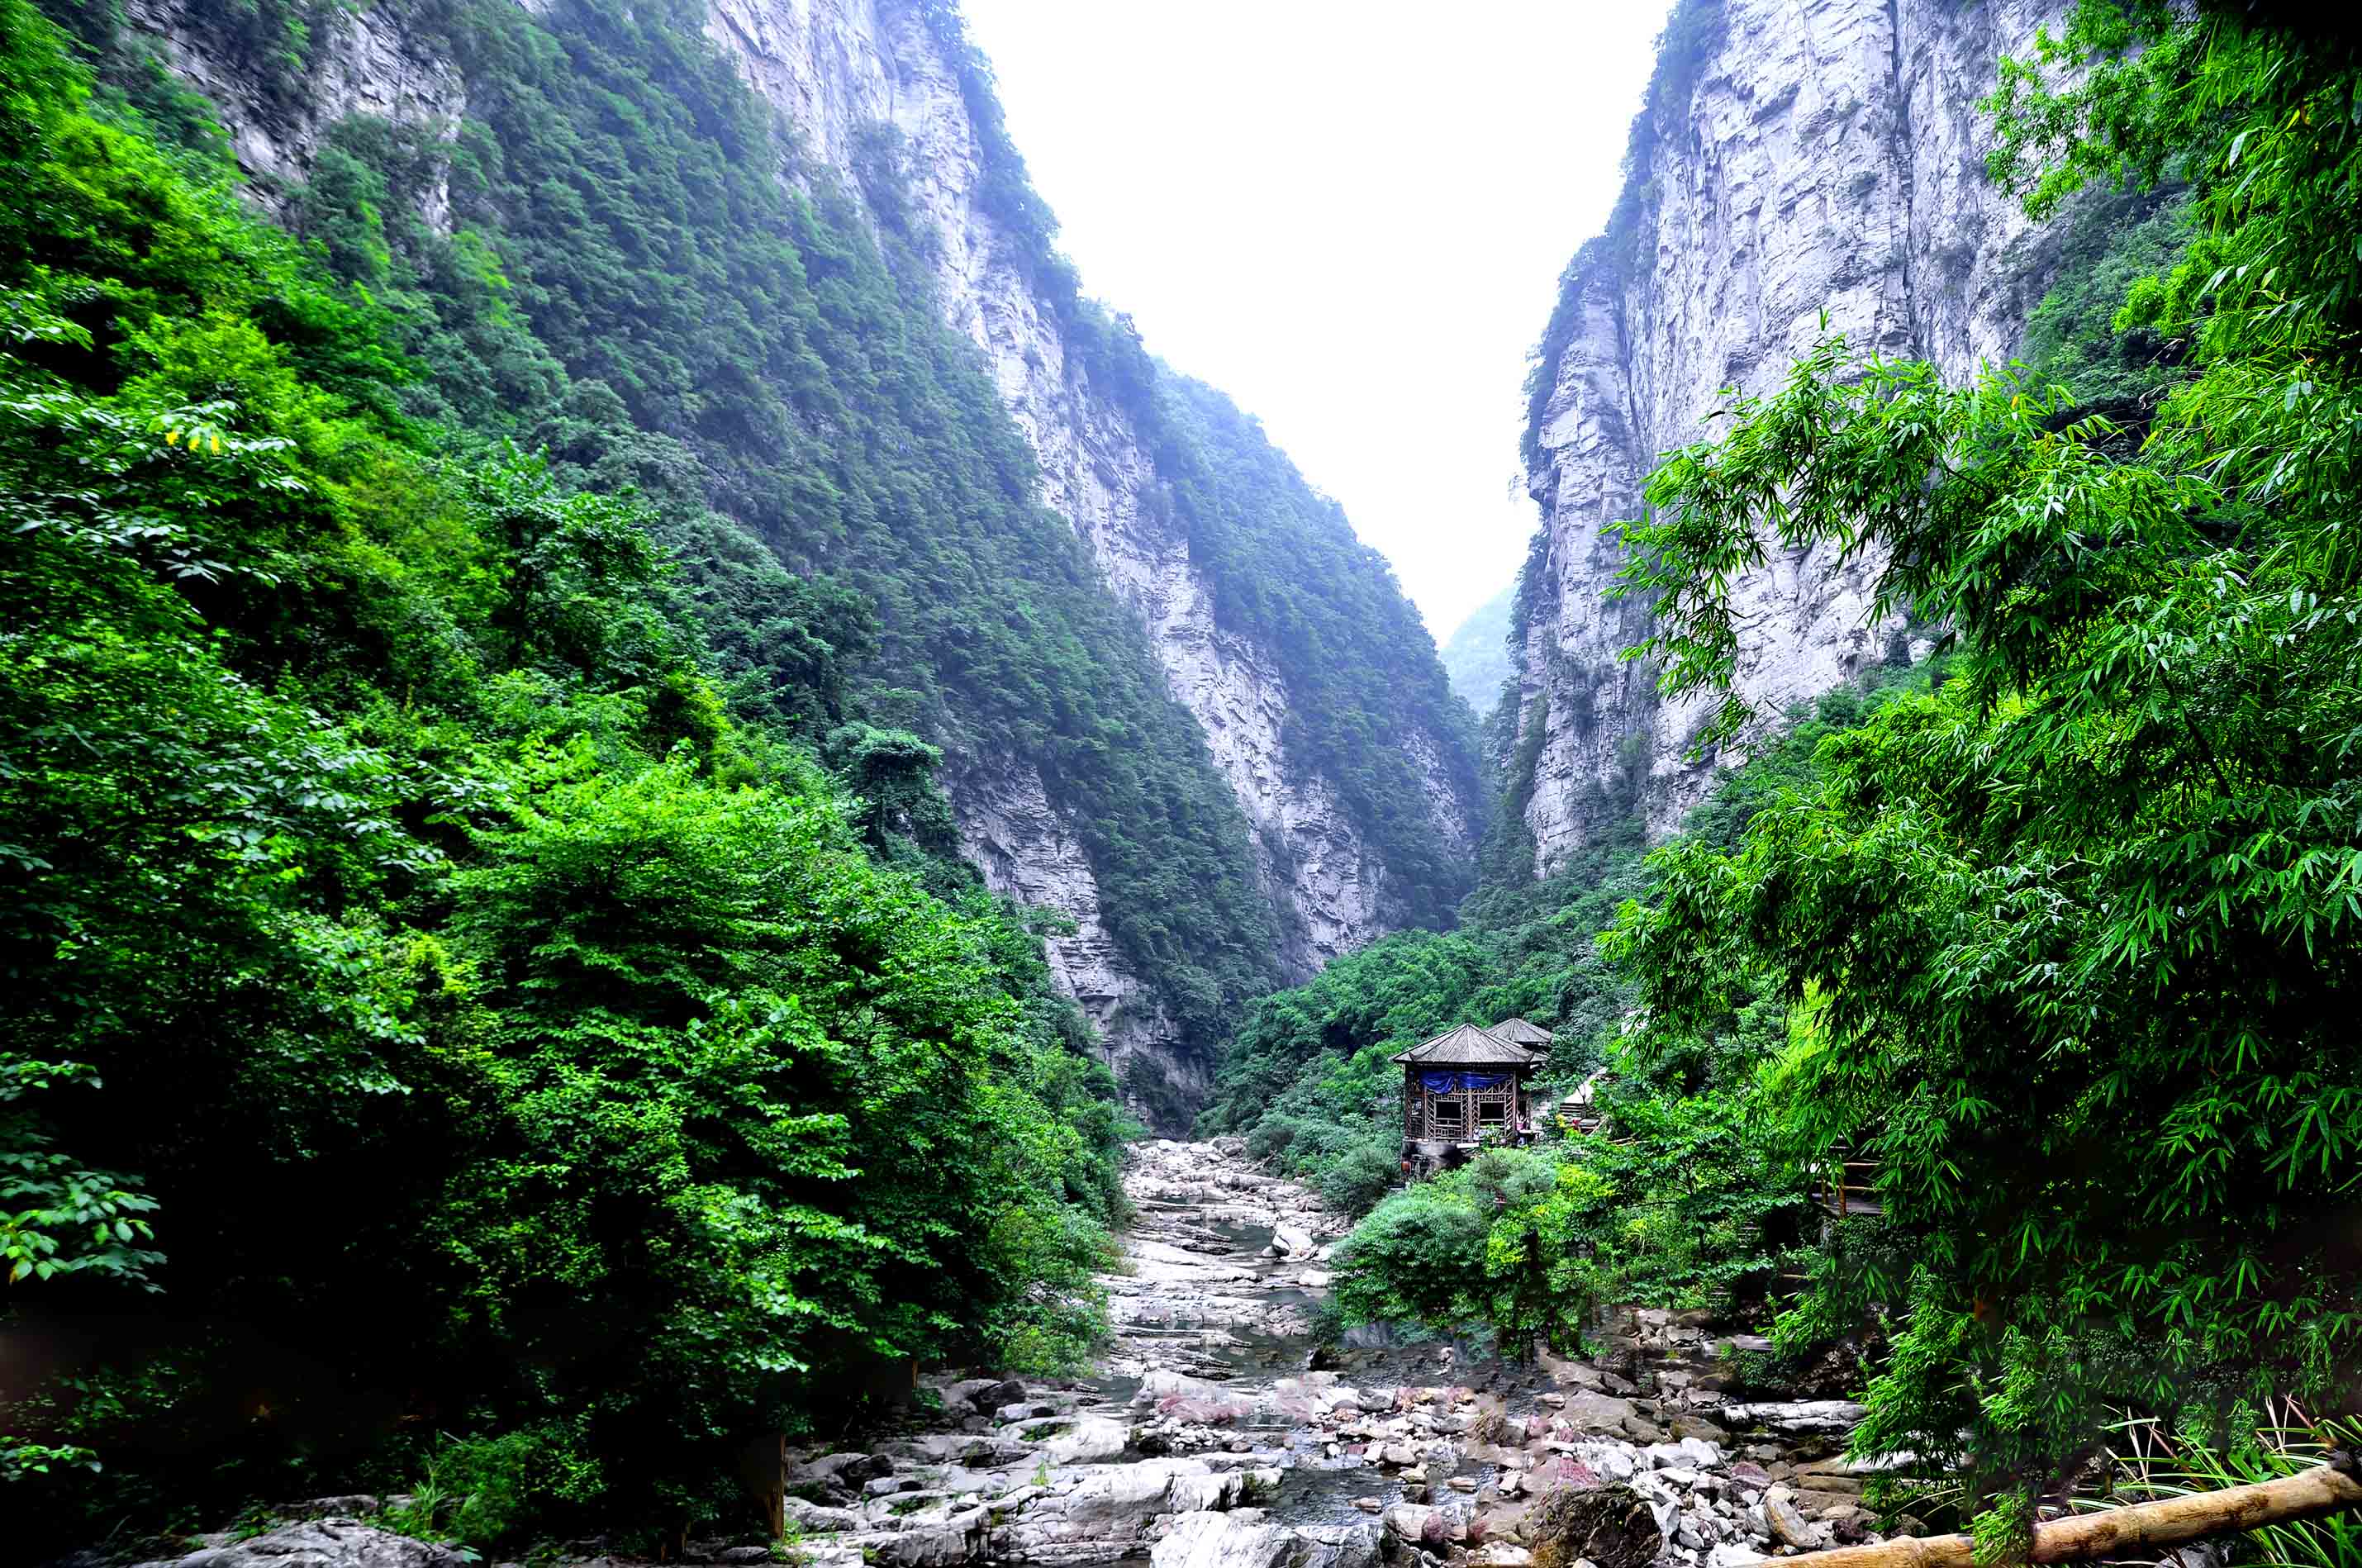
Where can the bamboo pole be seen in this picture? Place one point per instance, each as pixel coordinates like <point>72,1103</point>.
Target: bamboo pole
<point>2141,1528</point>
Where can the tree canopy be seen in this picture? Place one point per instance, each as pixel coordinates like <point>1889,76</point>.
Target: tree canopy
<point>446,1032</point>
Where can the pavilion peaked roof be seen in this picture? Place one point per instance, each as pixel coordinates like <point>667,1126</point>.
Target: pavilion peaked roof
<point>1466,1047</point>
<point>1518,1032</point>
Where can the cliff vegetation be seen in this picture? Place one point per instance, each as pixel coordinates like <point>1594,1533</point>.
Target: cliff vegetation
<point>456,1030</point>
<point>2059,935</point>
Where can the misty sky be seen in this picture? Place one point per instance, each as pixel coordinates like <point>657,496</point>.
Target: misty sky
<point>1349,216</point>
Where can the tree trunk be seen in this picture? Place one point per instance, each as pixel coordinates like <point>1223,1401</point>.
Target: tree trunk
<point>2143,1529</point>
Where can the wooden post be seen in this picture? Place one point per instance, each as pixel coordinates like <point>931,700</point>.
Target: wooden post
<point>2143,1530</point>
<point>763,1467</point>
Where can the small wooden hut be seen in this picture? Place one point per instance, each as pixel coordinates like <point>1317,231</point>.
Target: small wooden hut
<point>1459,1087</point>
<point>1518,1032</point>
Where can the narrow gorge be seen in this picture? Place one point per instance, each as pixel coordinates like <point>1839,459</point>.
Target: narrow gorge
<point>697,869</point>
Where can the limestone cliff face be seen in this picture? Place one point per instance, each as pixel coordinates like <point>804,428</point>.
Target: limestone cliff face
<point>837,70</point>
<point>1809,156</point>
<point>369,63</point>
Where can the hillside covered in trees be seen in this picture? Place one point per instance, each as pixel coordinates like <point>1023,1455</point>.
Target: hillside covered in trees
<point>680,302</point>
<point>451,1006</point>
<point>2055,932</point>
<point>503,626</point>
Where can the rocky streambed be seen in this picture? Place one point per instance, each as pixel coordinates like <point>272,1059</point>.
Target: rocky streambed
<point>1218,1434</point>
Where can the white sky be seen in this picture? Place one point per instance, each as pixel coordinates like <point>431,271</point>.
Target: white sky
<point>1349,216</point>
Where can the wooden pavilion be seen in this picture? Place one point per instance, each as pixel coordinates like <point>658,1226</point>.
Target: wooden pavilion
<point>1460,1086</point>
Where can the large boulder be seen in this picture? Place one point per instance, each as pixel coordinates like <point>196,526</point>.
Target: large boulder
<point>323,1543</point>
<point>936,1543</point>
<point>1241,1539</point>
<point>814,1518</point>
<point>1113,1510</point>
<point>1091,1440</point>
<point>1416,1523</point>
<point>835,1473</point>
<point>1612,1526</point>
<point>971,1395</point>
<point>1585,1411</point>
<point>1795,1418</point>
<point>1790,1527</point>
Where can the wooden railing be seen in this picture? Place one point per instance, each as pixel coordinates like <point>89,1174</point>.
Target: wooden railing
<point>1847,1189</point>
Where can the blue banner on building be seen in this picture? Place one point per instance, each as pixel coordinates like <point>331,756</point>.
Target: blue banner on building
<point>1437,1080</point>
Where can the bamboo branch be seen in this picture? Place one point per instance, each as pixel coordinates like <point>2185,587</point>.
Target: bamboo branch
<point>2143,1529</point>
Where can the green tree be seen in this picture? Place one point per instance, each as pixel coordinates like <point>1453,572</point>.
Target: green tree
<point>2069,941</point>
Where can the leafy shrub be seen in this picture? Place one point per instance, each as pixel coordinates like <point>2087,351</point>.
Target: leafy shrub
<point>1353,1179</point>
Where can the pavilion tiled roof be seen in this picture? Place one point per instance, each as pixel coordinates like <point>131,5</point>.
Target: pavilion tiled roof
<point>1466,1047</point>
<point>1518,1032</point>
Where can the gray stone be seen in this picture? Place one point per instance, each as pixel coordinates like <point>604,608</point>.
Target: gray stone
<point>1412,1522</point>
<point>1089,1440</point>
<point>1795,1418</point>
<point>1589,1411</point>
<point>957,1540</point>
<point>1614,1527</point>
<point>1790,1527</point>
<point>1822,172</point>
<point>324,1543</point>
<point>1243,1540</point>
<point>814,1518</point>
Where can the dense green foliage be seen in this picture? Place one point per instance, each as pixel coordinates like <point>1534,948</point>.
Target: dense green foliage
<point>441,1036</point>
<point>640,294</point>
<point>2073,337</point>
<point>1308,1080</point>
<point>678,319</point>
<point>2070,944</point>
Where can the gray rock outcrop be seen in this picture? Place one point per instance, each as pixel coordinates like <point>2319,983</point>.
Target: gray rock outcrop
<point>1807,157</point>
<point>322,1543</point>
<point>1241,1539</point>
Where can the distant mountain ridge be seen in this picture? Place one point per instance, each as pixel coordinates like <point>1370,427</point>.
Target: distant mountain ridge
<point>1476,655</point>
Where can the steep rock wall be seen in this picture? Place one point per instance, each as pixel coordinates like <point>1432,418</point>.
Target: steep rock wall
<point>837,70</point>
<point>369,62</point>
<point>1799,157</point>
